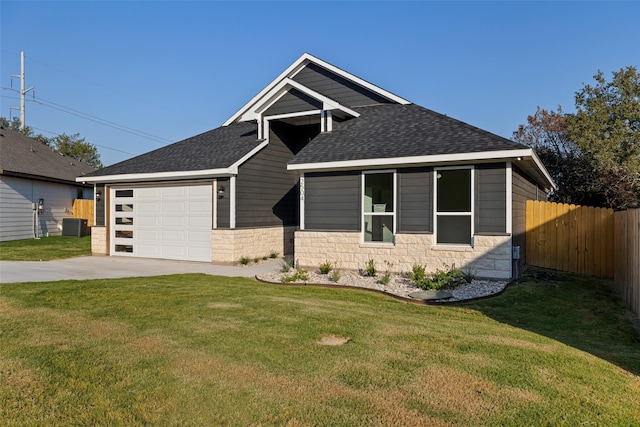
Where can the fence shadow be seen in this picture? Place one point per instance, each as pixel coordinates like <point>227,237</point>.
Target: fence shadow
<point>582,312</point>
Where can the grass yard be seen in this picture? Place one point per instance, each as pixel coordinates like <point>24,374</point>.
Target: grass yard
<point>45,248</point>
<point>199,350</point>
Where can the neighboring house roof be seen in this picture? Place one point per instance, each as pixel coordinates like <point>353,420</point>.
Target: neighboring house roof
<point>218,151</point>
<point>24,157</point>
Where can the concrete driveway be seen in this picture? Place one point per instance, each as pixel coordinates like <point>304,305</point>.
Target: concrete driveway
<point>107,267</point>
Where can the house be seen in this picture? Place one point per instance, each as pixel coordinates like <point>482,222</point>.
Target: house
<point>324,165</point>
<point>37,187</point>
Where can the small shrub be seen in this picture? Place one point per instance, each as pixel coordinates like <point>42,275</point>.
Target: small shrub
<point>385,279</point>
<point>274,254</point>
<point>265,257</point>
<point>326,267</point>
<point>441,279</point>
<point>298,276</point>
<point>370,268</point>
<point>256,259</point>
<point>245,260</point>
<point>286,265</point>
<point>418,276</point>
<point>335,276</point>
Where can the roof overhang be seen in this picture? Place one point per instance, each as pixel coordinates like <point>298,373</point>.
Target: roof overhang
<point>5,172</point>
<point>526,159</point>
<point>174,175</point>
<point>294,69</point>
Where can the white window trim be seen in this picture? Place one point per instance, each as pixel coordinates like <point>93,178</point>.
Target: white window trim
<point>435,205</point>
<point>393,213</point>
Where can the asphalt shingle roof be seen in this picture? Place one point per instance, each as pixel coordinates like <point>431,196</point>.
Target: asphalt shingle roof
<point>393,130</point>
<point>215,149</point>
<point>23,156</point>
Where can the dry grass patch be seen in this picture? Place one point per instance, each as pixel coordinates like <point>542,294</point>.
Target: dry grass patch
<point>333,340</point>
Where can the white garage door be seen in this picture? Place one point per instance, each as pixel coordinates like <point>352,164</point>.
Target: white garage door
<point>170,222</point>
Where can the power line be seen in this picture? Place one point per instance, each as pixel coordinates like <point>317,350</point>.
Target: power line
<point>92,118</point>
<point>97,145</point>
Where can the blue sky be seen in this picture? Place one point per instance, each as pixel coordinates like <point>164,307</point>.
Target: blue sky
<point>177,69</point>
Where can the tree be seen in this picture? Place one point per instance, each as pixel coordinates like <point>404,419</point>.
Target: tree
<point>606,128</point>
<point>15,123</point>
<point>546,132</point>
<point>75,147</point>
<point>594,154</point>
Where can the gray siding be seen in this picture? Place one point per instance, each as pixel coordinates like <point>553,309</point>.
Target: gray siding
<point>223,204</point>
<point>415,201</point>
<point>491,198</point>
<point>523,190</point>
<point>332,201</point>
<point>293,102</point>
<point>266,193</point>
<point>16,214</point>
<point>100,206</point>
<point>336,87</point>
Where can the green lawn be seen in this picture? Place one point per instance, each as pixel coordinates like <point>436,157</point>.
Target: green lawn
<point>45,248</point>
<point>199,350</point>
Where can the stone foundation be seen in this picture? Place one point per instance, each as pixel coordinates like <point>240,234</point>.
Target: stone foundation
<point>99,241</point>
<point>489,258</point>
<point>228,246</point>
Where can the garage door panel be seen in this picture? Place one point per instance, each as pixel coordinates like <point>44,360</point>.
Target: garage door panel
<point>172,222</point>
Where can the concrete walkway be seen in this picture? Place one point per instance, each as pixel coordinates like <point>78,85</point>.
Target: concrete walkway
<point>108,267</point>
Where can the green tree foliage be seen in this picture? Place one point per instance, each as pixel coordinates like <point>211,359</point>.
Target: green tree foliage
<point>606,125</point>
<point>70,145</point>
<point>77,148</point>
<point>594,154</point>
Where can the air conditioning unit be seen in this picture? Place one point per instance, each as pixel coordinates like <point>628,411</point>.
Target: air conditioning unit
<point>76,227</point>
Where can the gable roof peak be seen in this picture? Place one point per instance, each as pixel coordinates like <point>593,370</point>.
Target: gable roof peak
<point>303,61</point>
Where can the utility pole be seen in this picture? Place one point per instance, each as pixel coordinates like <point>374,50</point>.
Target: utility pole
<point>23,91</point>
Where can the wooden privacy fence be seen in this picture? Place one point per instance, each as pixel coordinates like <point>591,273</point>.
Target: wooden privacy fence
<point>83,209</point>
<point>627,257</point>
<point>577,239</point>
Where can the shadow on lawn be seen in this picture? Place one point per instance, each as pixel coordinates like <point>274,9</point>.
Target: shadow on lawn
<point>580,311</point>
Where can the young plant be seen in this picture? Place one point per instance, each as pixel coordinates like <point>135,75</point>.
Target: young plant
<point>274,254</point>
<point>335,276</point>
<point>245,260</point>
<point>418,276</point>
<point>326,267</point>
<point>370,268</point>
<point>385,279</point>
<point>286,265</point>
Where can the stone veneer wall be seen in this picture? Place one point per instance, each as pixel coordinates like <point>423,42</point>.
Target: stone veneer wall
<point>489,258</point>
<point>99,241</point>
<point>228,246</point>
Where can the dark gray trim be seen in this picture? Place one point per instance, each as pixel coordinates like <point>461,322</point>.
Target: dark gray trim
<point>332,201</point>
<point>100,206</point>
<point>293,101</point>
<point>415,200</point>
<point>523,190</point>
<point>491,198</point>
<point>223,205</point>
<point>266,193</point>
<point>335,87</point>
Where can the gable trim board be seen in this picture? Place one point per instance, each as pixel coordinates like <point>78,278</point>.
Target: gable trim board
<point>296,159</point>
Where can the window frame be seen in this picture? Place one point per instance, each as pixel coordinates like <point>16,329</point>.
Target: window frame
<point>392,213</point>
<point>470,214</point>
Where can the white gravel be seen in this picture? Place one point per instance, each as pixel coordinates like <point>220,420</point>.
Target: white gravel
<point>398,284</point>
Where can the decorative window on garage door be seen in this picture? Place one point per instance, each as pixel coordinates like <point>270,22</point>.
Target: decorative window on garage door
<point>123,224</point>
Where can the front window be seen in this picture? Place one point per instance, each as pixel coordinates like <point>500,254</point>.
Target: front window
<point>454,215</point>
<point>378,206</point>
